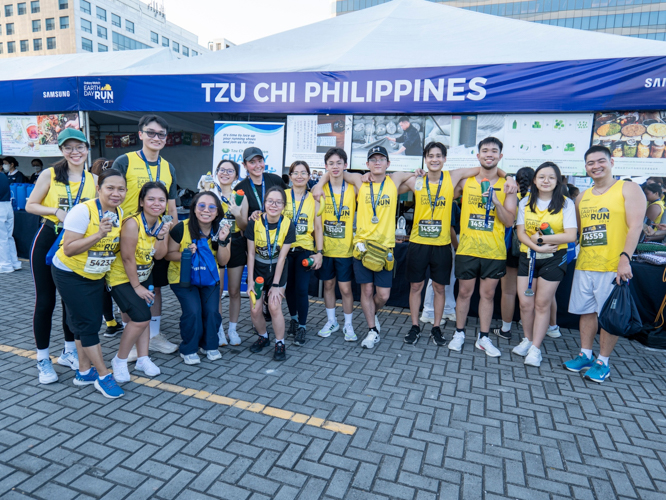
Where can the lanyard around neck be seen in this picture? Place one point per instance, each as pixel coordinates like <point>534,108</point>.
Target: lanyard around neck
<point>159,163</point>
<point>336,212</point>
<point>150,231</point>
<point>433,205</point>
<point>296,215</point>
<point>263,192</point>
<point>79,194</point>
<point>379,196</point>
<point>273,249</point>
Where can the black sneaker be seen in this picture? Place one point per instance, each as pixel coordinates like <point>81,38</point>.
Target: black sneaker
<point>413,336</point>
<point>436,336</point>
<point>299,337</point>
<point>280,353</point>
<point>293,327</point>
<point>112,331</point>
<point>501,333</point>
<point>259,345</point>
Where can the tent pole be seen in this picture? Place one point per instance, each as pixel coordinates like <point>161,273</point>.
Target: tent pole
<point>86,130</point>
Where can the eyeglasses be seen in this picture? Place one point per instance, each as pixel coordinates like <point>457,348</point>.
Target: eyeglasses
<point>275,203</point>
<point>81,148</point>
<point>151,133</point>
<point>377,160</point>
<point>300,174</point>
<point>229,172</point>
<point>202,207</point>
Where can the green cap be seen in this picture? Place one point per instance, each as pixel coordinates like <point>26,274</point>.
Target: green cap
<point>71,133</point>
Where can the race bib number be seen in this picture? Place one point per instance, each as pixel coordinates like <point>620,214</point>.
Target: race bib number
<point>99,262</point>
<point>302,225</point>
<point>477,222</point>
<point>143,271</point>
<point>334,229</point>
<point>594,236</point>
<point>430,228</point>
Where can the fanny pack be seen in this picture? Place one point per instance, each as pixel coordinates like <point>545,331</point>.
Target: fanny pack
<point>375,257</point>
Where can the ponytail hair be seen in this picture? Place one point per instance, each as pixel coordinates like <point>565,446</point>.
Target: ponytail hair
<point>524,178</point>
<point>61,171</point>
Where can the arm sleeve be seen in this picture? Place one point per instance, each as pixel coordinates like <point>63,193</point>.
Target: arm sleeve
<point>176,232</point>
<point>569,214</point>
<point>121,163</point>
<point>402,138</point>
<point>520,221</point>
<point>77,219</point>
<point>173,189</point>
<point>291,234</point>
<point>249,230</point>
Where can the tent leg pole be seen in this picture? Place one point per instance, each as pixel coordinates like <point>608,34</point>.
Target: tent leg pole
<point>85,125</point>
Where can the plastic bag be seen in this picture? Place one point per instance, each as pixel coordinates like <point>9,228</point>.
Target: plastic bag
<point>54,248</point>
<point>619,315</point>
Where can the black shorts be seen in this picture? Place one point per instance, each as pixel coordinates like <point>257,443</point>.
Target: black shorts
<point>383,278</point>
<point>336,267</point>
<point>469,268</point>
<point>160,273</point>
<point>511,260</point>
<point>438,257</point>
<point>263,270</point>
<point>238,251</point>
<point>551,269</point>
<point>130,303</point>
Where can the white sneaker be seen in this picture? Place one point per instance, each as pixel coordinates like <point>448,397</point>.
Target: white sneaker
<point>377,325</point>
<point>69,359</point>
<point>221,338</point>
<point>234,339</point>
<point>328,329</point>
<point>451,316</point>
<point>522,348</point>
<point>132,356</point>
<point>555,333</point>
<point>485,344</point>
<point>370,340</point>
<point>149,368</point>
<point>190,359</point>
<point>213,355</point>
<point>120,371</point>
<point>350,336</point>
<point>159,343</point>
<point>47,374</point>
<point>533,357</point>
<point>427,319</point>
<point>457,341</point>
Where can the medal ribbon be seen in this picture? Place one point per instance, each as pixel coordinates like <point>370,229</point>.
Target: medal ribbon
<point>150,231</point>
<point>263,192</point>
<point>272,250</point>
<point>336,212</point>
<point>433,205</point>
<point>293,206</point>
<point>372,197</point>
<point>159,163</point>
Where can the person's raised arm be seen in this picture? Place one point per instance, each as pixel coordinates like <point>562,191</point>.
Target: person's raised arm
<point>223,252</point>
<point>634,209</point>
<point>241,220</point>
<point>404,181</point>
<point>506,212</point>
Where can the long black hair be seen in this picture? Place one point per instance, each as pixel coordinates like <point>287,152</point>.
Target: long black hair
<point>559,193</point>
<point>193,223</point>
<point>147,187</point>
<point>524,178</point>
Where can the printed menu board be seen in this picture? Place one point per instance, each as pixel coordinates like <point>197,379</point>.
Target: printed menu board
<point>310,136</point>
<point>25,135</point>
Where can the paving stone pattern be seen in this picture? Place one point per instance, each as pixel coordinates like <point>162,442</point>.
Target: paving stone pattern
<point>430,423</point>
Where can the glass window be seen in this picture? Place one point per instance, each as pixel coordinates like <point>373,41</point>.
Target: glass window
<point>561,22</point>
<point>11,47</point>
<point>25,46</point>
<point>129,26</point>
<point>101,14</point>
<point>660,36</point>
<point>652,36</point>
<point>586,23</point>
<point>662,18</point>
<point>635,19</point>
<point>115,20</point>
<point>531,7</point>
<point>9,11</point>
<point>20,8</point>
<point>102,48</point>
<point>121,42</point>
<point>9,28</point>
<point>1,47</point>
<point>571,4</point>
<point>64,22</point>
<point>165,41</point>
<point>154,37</point>
<point>85,6</point>
<point>194,53</point>
<point>36,25</point>
<point>176,47</point>
<point>101,32</point>
<point>34,8</point>
<point>494,9</point>
<point>579,4</point>
<point>627,18</point>
<point>85,25</point>
<point>50,43</point>
<point>37,44</point>
<point>577,22</point>
<point>569,22</point>
<point>86,44</point>
<point>62,4</point>
<point>593,22</point>
<point>501,12</point>
<point>587,4</point>
<point>50,24</point>
<point>509,9</point>
<point>602,22</point>
<point>186,51</point>
<point>0,29</point>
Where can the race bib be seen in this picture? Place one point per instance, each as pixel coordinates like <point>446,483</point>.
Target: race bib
<point>99,262</point>
<point>594,236</point>
<point>302,225</point>
<point>430,228</point>
<point>143,271</point>
<point>477,222</point>
<point>333,229</point>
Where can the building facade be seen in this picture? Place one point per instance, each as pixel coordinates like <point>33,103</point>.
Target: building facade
<point>45,27</point>
<point>637,18</point>
<point>220,44</point>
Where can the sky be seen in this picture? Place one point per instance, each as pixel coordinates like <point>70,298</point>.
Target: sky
<point>242,21</point>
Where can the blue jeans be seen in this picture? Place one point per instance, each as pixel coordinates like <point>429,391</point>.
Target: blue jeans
<point>200,319</point>
<point>298,281</point>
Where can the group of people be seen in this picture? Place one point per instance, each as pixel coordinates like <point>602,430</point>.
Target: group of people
<point>115,235</point>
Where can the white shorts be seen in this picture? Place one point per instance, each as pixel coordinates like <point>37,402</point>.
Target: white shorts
<point>589,291</point>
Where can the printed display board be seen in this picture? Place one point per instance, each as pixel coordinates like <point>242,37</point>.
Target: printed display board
<point>35,135</point>
<point>310,136</point>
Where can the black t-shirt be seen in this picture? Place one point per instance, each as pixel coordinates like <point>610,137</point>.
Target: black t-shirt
<point>412,141</point>
<point>16,177</point>
<point>245,185</point>
<point>177,232</point>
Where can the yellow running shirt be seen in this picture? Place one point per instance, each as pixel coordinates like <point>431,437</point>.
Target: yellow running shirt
<point>305,224</point>
<point>477,239</point>
<point>384,231</point>
<point>57,194</point>
<point>262,253</point>
<point>338,236</point>
<point>229,219</point>
<point>660,203</point>
<point>603,230</point>
<point>433,228</point>
<point>137,175</point>
<point>533,221</point>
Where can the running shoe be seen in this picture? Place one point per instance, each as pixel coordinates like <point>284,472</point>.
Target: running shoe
<point>371,339</point>
<point>293,326</point>
<point>329,327</point>
<point>234,339</point>
<point>299,338</point>
<point>280,353</point>
<point>533,357</point>
<point>108,387</point>
<point>112,331</point>
<point>457,341</point>
<point>213,355</point>
<point>190,359</point>
<point>501,333</point>
<point>47,374</point>
<point>581,362</point>
<point>87,379</point>
<point>350,335</point>
<point>598,373</point>
<point>221,338</point>
<point>259,345</point>
<point>413,335</point>
<point>431,319</point>
<point>159,343</point>
<point>486,345</point>
<point>69,359</point>
<point>522,348</point>
<point>554,333</point>
<point>437,337</point>
<point>450,316</point>
<point>147,366</point>
<point>120,370</point>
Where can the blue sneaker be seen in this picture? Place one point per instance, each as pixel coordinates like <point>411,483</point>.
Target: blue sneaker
<point>47,374</point>
<point>69,359</point>
<point>86,379</point>
<point>579,363</point>
<point>108,387</point>
<point>598,373</point>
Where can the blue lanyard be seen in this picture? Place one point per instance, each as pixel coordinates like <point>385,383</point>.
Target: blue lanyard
<point>272,250</point>
<point>296,214</point>
<point>263,192</point>
<point>99,210</point>
<point>222,197</point>
<point>150,231</point>
<point>78,195</point>
<point>434,205</point>
<point>336,212</point>
<point>159,162</point>
<point>372,197</point>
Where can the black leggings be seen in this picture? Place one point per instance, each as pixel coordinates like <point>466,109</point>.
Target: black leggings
<point>108,306</point>
<point>45,290</point>
<point>298,281</point>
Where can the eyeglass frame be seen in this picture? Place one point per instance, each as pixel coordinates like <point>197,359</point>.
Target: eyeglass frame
<point>153,133</point>
<point>202,206</point>
<point>275,203</point>
<point>79,148</point>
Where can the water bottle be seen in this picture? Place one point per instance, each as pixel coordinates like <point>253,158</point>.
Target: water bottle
<point>389,256</point>
<point>150,289</point>
<point>485,186</point>
<point>239,197</point>
<point>186,268</point>
<point>257,290</point>
<point>546,229</point>
<point>209,182</point>
<point>308,263</point>
<point>400,233</point>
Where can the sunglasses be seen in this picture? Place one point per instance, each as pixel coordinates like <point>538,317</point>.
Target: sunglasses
<point>202,207</point>
<point>152,134</point>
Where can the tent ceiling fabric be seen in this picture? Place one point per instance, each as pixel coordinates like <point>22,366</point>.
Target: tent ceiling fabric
<point>203,123</point>
<point>409,34</point>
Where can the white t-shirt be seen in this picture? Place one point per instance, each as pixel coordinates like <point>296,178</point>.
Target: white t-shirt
<point>77,221</point>
<point>568,212</point>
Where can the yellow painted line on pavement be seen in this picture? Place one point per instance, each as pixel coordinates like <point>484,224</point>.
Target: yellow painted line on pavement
<point>271,411</point>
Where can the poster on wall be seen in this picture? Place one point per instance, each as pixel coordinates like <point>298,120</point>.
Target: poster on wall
<point>232,138</point>
<point>635,139</point>
<point>458,133</point>
<point>402,136</point>
<point>35,135</point>
<point>310,136</point>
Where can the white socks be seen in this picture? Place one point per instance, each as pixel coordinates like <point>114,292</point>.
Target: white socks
<point>330,314</point>
<point>281,341</point>
<point>42,354</point>
<point>155,322</point>
<point>587,352</point>
<point>552,327</point>
<point>232,327</point>
<point>264,335</point>
<point>506,327</point>
<point>348,318</point>
<point>116,359</point>
<point>604,359</point>
<point>70,346</point>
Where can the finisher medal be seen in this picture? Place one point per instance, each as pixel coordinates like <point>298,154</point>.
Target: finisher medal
<point>375,220</point>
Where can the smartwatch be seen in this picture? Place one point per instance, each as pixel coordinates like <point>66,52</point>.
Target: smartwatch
<point>320,252</point>
<point>540,241</point>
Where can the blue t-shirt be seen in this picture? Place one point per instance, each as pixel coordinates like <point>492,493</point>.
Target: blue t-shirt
<point>5,193</point>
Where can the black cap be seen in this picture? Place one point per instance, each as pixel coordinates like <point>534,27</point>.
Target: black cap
<point>378,150</point>
<point>250,153</point>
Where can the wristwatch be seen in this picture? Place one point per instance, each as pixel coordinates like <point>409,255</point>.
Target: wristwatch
<point>540,241</point>
<point>320,252</point>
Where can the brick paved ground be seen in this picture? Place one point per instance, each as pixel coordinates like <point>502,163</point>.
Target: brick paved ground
<point>430,423</point>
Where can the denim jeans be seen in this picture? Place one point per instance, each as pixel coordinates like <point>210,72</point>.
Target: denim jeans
<point>200,318</point>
